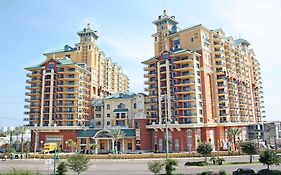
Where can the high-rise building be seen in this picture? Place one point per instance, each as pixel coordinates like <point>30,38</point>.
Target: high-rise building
<point>61,89</point>
<point>200,83</point>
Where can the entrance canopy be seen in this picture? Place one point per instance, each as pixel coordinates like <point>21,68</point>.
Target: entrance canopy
<point>103,133</point>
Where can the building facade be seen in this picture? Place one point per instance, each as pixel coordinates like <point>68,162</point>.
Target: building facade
<point>121,110</point>
<point>61,89</point>
<point>201,83</point>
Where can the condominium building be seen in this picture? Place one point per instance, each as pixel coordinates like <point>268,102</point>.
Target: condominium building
<point>200,83</point>
<point>121,110</point>
<point>61,89</point>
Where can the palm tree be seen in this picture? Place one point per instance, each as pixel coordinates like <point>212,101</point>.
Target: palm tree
<point>234,132</point>
<point>71,144</point>
<point>116,134</point>
<point>94,146</point>
<point>22,130</point>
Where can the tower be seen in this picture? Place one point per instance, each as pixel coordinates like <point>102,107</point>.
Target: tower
<point>87,46</point>
<point>165,25</point>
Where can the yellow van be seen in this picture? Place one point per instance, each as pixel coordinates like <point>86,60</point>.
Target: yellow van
<point>50,147</point>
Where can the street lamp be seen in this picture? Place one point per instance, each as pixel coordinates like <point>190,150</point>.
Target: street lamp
<point>66,143</point>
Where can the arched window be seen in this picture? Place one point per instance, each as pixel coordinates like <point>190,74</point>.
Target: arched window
<point>160,145</point>
<point>177,145</point>
<point>121,106</point>
<point>174,29</point>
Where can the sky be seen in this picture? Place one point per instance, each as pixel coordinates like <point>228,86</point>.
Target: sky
<point>30,28</point>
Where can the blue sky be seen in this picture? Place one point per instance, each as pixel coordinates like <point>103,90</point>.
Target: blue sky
<point>31,28</point>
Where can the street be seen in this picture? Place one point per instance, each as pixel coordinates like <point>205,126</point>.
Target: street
<point>129,167</point>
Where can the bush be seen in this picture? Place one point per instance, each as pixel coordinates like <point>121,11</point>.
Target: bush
<point>170,166</point>
<point>269,172</point>
<point>20,172</point>
<point>206,173</point>
<point>217,160</point>
<point>155,167</point>
<point>222,172</point>
<point>200,163</point>
<point>78,163</point>
<point>62,168</point>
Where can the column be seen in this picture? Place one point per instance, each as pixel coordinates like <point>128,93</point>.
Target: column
<point>113,147</point>
<point>168,90</point>
<point>96,148</point>
<point>159,93</point>
<point>42,97</point>
<point>123,145</point>
<point>51,98</point>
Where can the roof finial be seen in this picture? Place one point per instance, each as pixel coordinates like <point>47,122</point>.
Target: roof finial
<point>88,26</point>
<point>165,13</point>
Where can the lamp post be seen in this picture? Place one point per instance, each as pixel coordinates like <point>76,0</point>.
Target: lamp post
<point>55,159</point>
<point>66,143</point>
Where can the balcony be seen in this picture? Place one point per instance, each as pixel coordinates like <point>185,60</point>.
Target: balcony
<point>150,81</point>
<point>183,60</point>
<point>184,68</point>
<point>182,99</point>
<point>184,75</point>
<point>149,68</point>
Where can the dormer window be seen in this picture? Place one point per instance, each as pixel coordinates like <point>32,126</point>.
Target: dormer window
<point>176,44</point>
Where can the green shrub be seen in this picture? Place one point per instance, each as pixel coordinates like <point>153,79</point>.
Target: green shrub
<point>170,166</point>
<point>217,160</point>
<point>62,168</point>
<point>200,163</point>
<point>269,172</point>
<point>155,166</point>
<point>20,172</point>
<point>206,173</point>
<point>222,172</point>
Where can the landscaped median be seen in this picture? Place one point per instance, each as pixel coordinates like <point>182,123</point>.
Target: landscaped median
<point>128,156</point>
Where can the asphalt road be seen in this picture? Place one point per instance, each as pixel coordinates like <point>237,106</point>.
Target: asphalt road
<point>130,167</point>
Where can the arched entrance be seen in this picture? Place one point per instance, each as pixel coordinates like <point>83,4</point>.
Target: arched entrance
<point>104,141</point>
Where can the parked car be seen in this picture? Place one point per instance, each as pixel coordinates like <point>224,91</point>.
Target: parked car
<point>244,171</point>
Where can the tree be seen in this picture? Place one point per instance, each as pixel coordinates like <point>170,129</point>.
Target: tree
<point>170,166</point>
<point>205,149</point>
<point>269,157</point>
<point>78,163</point>
<point>26,148</point>
<point>94,146</point>
<point>62,168</point>
<point>116,134</point>
<point>249,148</point>
<point>71,144</point>
<point>155,166</point>
<point>234,132</point>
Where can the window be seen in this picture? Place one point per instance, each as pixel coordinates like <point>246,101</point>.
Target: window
<point>197,65</point>
<point>130,145</point>
<point>98,108</point>
<point>98,115</point>
<point>108,115</point>
<point>135,105</point>
<point>98,123</point>
<point>108,106</point>
<point>83,140</point>
<point>198,73</point>
<point>121,106</point>
<point>137,124</point>
<point>192,39</point>
<point>201,111</point>
<point>108,123</point>
<point>176,44</point>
